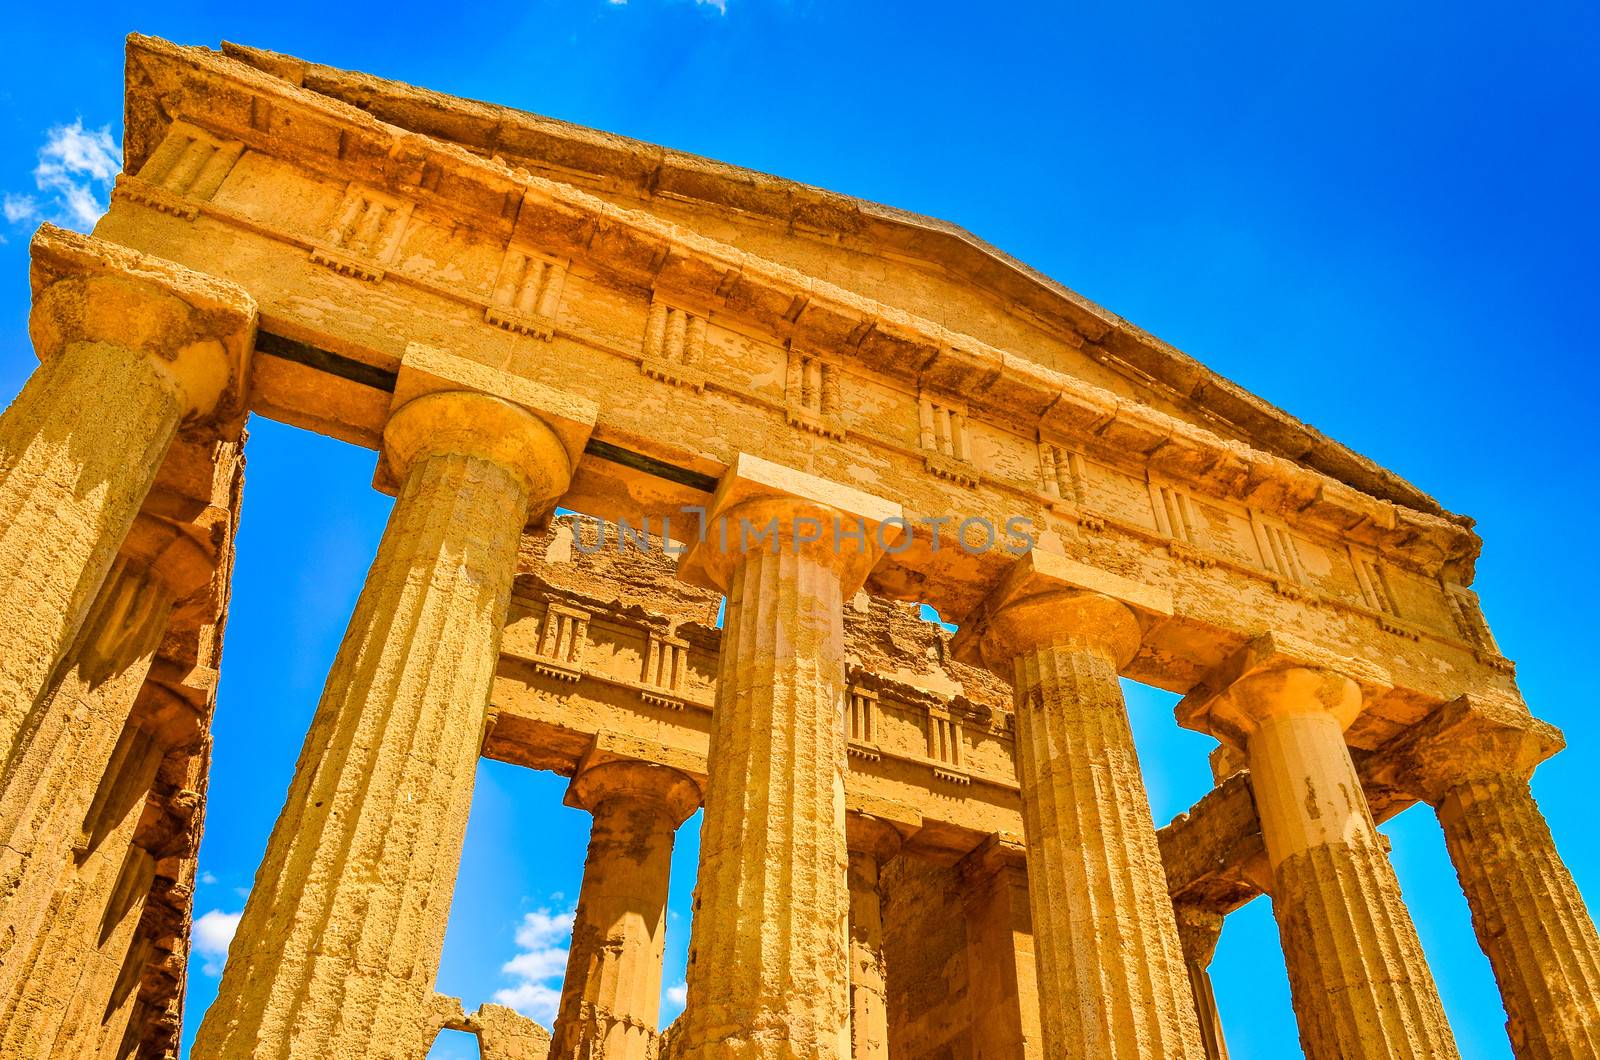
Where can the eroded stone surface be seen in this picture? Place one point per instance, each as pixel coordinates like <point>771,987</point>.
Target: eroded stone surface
<point>640,331</point>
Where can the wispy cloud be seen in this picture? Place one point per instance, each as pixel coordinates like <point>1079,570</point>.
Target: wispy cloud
<point>211,935</point>
<point>20,208</point>
<point>73,176</point>
<point>720,5</point>
<point>672,1001</point>
<point>539,966</point>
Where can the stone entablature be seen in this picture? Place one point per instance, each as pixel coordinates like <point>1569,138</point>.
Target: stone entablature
<point>1294,548</point>
<point>925,265</point>
<point>481,200</point>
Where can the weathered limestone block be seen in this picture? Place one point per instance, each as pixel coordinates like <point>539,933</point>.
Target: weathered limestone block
<point>504,1034</point>
<point>47,786</point>
<point>145,1012</point>
<point>339,944</point>
<point>135,1009</point>
<point>926,943</point>
<point>1002,965</point>
<point>1112,982</point>
<point>1199,929</point>
<point>769,967</point>
<point>1360,982</point>
<point>1472,760</point>
<point>871,842</point>
<point>131,347</point>
<point>611,996</point>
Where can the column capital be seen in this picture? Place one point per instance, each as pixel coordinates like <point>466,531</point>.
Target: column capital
<point>1199,928</point>
<point>159,565</point>
<point>675,794</point>
<point>444,403</point>
<point>181,562</point>
<point>840,526</point>
<point>173,720</point>
<point>197,330</point>
<point>1276,675</point>
<point>1046,598</point>
<point>1471,738</point>
<point>876,837</point>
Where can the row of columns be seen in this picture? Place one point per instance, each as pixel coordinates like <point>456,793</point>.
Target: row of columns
<point>339,943</point>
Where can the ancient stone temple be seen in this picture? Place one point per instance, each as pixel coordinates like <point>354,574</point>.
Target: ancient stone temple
<point>806,414</point>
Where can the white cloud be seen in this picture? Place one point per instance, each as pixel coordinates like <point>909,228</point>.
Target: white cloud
<point>720,5</point>
<point>75,170</point>
<point>211,935</point>
<point>19,208</point>
<point>677,995</point>
<point>539,965</point>
<point>208,878</point>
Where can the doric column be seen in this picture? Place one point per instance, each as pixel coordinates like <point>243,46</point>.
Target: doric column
<point>769,966</point>
<point>1199,929</point>
<point>871,841</point>
<point>339,945</point>
<point>611,996</point>
<point>48,788</point>
<point>1002,970</point>
<point>1360,982</point>
<point>1472,760</point>
<point>1112,982</point>
<point>131,346</point>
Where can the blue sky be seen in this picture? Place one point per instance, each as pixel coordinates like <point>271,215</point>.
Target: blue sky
<point>1380,217</point>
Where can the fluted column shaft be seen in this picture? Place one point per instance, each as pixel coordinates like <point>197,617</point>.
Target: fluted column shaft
<point>338,948</point>
<point>1360,982</point>
<point>1112,983</point>
<point>1112,980</point>
<point>768,969</point>
<point>1198,931</point>
<point>872,841</point>
<point>611,996</point>
<point>79,450</point>
<point>129,347</point>
<point>869,1010</point>
<point>1529,916</point>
